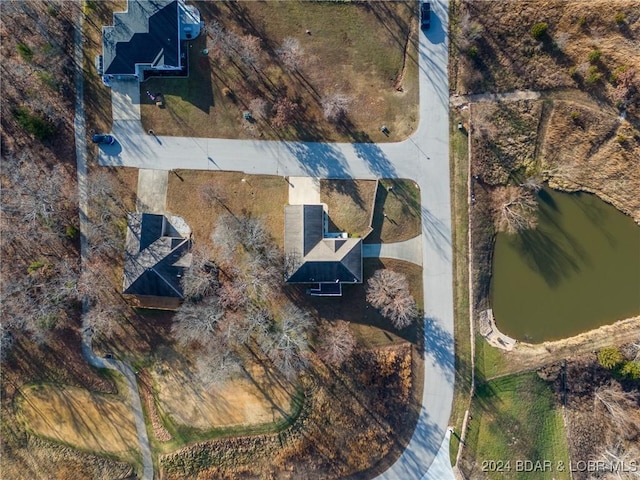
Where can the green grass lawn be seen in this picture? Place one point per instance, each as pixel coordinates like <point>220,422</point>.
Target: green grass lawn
<point>371,50</point>
<point>515,420</point>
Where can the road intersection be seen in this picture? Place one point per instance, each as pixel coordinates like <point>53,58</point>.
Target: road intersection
<point>424,158</point>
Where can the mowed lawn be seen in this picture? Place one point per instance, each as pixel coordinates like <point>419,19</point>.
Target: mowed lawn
<point>259,196</point>
<point>515,420</point>
<point>82,419</point>
<point>367,52</point>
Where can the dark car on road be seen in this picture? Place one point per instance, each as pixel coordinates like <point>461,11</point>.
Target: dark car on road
<point>425,14</point>
<point>102,138</point>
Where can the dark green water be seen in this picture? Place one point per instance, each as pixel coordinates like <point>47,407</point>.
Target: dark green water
<point>578,270</point>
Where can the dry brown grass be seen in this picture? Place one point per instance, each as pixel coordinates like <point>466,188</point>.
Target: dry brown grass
<point>259,196</point>
<point>39,458</point>
<point>250,399</point>
<point>588,148</point>
<point>504,139</point>
<point>356,418</point>
<point>350,204</point>
<point>509,58</point>
<point>364,45</point>
<point>77,417</point>
<point>397,214</point>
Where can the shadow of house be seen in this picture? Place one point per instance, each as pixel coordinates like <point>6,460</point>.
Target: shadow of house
<point>315,256</point>
<point>147,38</point>
<point>157,254</point>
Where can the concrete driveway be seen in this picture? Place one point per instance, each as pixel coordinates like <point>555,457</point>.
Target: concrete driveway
<point>304,191</point>
<point>152,191</point>
<point>424,157</point>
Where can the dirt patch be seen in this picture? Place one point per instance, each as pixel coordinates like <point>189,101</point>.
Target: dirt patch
<point>86,420</point>
<point>251,399</point>
<point>350,204</point>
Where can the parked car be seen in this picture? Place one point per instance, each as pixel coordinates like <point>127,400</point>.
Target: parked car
<point>102,138</point>
<point>425,14</point>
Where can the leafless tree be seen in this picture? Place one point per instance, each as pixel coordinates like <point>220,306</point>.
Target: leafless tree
<point>257,322</point>
<point>611,459</point>
<point>515,208</point>
<point>213,192</point>
<point>621,407</point>
<point>291,53</point>
<point>389,292</point>
<point>287,345</point>
<point>7,340</point>
<point>258,108</point>
<point>335,106</point>
<point>533,183</point>
<point>105,320</point>
<point>250,51</point>
<point>197,322</point>
<point>201,278</point>
<point>217,364</point>
<point>233,294</point>
<point>336,342</point>
<point>284,112</point>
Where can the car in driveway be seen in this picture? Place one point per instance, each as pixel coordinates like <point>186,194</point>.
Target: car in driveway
<point>103,139</point>
<point>425,15</point>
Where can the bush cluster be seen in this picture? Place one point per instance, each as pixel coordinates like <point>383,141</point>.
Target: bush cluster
<point>34,124</point>
<point>539,30</point>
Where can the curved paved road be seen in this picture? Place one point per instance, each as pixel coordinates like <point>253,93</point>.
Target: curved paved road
<point>424,158</point>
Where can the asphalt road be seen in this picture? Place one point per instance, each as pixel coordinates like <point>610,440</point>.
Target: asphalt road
<point>424,157</point>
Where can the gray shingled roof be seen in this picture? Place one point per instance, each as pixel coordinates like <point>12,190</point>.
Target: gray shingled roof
<point>314,258</point>
<point>156,256</point>
<point>147,33</point>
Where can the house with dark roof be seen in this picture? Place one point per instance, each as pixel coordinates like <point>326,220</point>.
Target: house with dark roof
<point>147,37</point>
<point>157,252</point>
<point>315,256</point>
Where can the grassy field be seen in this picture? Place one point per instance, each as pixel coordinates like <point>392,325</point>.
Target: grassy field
<point>350,204</point>
<point>462,333</point>
<point>82,419</point>
<point>372,50</point>
<point>399,200</point>
<point>259,196</point>
<point>515,420</point>
<point>251,399</point>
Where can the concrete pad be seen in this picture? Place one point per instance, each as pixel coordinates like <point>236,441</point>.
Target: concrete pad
<point>125,98</point>
<point>409,250</point>
<point>304,191</point>
<point>152,191</point>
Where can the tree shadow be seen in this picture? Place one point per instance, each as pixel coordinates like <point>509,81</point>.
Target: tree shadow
<point>544,254</point>
<point>320,159</point>
<point>439,348</point>
<point>378,216</point>
<point>437,234</point>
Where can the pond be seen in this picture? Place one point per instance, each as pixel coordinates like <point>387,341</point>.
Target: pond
<point>578,270</point>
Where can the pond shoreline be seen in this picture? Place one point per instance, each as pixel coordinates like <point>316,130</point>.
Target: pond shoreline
<point>482,252</point>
